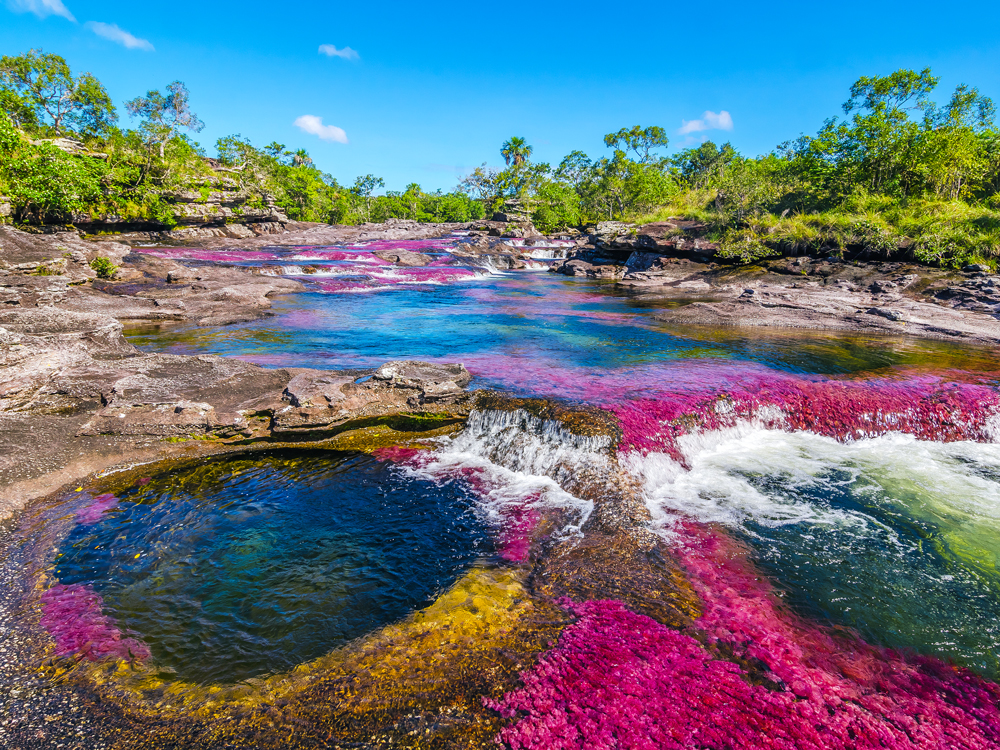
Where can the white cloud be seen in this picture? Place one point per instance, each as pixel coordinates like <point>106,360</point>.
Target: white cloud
<point>120,36</point>
<point>331,51</point>
<point>41,8</point>
<point>314,125</point>
<point>709,121</point>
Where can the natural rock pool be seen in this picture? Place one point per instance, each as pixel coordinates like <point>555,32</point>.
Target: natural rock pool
<point>644,536</point>
<point>243,568</point>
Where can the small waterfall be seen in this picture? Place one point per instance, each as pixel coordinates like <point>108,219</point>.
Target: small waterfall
<point>519,463</point>
<point>548,253</point>
<point>289,270</point>
<point>504,428</point>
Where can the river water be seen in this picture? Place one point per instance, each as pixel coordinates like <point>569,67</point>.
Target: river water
<point>833,502</point>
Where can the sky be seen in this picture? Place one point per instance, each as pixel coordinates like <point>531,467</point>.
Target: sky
<point>424,92</point>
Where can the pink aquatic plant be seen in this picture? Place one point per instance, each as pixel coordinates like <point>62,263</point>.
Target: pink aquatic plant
<point>621,680</point>
<point>396,453</point>
<point>92,511</point>
<point>514,542</point>
<point>353,256</point>
<point>72,615</point>
<point>928,407</point>
<point>215,256</point>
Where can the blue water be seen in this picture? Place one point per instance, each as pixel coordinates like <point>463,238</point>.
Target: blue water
<point>244,567</point>
<point>553,324</point>
<point>537,333</point>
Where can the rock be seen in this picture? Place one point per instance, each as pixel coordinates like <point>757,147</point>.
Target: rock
<point>75,393</point>
<point>883,286</point>
<point>580,267</point>
<point>64,252</point>
<point>519,229</point>
<point>317,389</point>
<point>435,380</point>
<point>886,313</point>
<point>977,268</point>
<point>403,257</point>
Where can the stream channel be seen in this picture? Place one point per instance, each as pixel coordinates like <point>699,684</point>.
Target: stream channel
<point>666,538</point>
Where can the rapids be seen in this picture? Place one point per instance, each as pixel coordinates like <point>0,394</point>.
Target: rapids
<point>820,515</point>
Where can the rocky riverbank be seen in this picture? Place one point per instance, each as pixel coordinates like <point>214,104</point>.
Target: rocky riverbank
<point>664,263</point>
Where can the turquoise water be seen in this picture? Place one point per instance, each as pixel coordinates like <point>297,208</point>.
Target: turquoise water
<point>498,324</point>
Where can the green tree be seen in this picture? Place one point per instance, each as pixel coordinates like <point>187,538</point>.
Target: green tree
<point>492,187</point>
<point>749,187</point>
<point>165,115</point>
<point>39,89</point>
<point>516,152</point>
<point>642,141</point>
<point>301,158</point>
<point>704,164</point>
<point>575,168</point>
<point>954,155</point>
<point>363,188</point>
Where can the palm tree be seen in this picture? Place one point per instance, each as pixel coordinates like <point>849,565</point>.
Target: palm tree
<point>516,151</point>
<point>301,158</point>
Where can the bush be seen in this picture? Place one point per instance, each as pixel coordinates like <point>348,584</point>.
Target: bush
<point>103,267</point>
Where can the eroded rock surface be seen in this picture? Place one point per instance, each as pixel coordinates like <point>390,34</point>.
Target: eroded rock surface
<point>53,271</point>
<point>76,397</point>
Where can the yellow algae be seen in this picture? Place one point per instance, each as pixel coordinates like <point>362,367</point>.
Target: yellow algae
<point>419,682</point>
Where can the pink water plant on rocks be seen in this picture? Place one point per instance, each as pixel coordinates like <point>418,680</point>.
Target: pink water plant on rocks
<point>72,615</point>
<point>620,680</point>
<point>928,407</point>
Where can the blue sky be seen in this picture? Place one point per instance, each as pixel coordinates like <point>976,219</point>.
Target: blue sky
<point>432,90</point>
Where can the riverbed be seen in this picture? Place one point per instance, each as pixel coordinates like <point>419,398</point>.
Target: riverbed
<point>656,536</point>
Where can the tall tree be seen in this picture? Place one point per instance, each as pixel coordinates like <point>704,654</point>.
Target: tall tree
<point>642,141</point>
<point>39,89</point>
<point>516,152</point>
<point>165,115</point>
<point>364,188</point>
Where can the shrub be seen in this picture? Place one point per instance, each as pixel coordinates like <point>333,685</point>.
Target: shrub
<point>103,267</point>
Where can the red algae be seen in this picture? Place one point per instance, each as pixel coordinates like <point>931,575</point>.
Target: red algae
<point>215,256</point>
<point>396,453</point>
<point>618,679</point>
<point>72,615</point>
<point>92,511</point>
<point>515,538</point>
<point>926,406</point>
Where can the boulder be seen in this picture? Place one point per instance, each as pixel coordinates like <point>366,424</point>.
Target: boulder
<point>436,381</point>
<point>581,267</point>
<point>403,257</point>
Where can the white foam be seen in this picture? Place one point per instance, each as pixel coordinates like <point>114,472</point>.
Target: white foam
<point>521,461</point>
<point>772,477</point>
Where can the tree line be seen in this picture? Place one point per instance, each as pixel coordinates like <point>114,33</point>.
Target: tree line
<point>132,172</point>
<point>896,174</point>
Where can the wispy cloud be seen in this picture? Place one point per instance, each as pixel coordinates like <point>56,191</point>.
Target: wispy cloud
<point>41,8</point>
<point>314,126</point>
<point>709,121</point>
<point>118,35</point>
<point>331,51</point>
